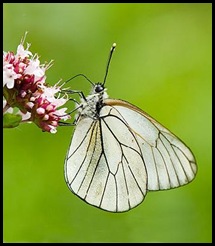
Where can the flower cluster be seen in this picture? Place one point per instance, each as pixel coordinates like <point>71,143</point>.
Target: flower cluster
<point>24,88</point>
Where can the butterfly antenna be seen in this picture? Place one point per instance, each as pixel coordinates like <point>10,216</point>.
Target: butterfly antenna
<point>82,76</point>
<point>109,59</point>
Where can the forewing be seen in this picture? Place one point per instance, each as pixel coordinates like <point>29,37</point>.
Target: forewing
<point>104,165</point>
<point>169,162</point>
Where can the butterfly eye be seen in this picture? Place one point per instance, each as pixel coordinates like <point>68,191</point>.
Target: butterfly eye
<point>99,88</point>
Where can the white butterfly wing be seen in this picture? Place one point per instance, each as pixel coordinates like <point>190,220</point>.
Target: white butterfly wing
<point>113,161</point>
<point>169,162</point>
<point>104,165</point>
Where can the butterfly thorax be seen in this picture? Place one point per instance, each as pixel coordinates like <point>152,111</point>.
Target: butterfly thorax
<point>92,104</point>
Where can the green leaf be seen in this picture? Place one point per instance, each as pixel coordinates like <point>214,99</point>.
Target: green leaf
<point>11,120</point>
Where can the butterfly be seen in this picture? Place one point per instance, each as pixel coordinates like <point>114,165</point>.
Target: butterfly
<point>118,153</point>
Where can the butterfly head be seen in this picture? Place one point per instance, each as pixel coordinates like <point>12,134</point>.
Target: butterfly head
<point>99,92</point>
<point>98,88</point>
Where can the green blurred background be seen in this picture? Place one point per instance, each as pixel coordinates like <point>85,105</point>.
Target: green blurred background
<point>162,64</point>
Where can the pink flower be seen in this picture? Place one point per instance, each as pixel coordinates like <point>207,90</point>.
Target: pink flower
<point>46,114</point>
<point>24,87</point>
<point>21,52</point>
<point>9,76</point>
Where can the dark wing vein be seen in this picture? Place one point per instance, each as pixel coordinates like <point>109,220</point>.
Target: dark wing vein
<point>82,140</point>
<point>161,154</point>
<point>130,130</point>
<point>121,144</point>
<point>185,173</point>
<point>158,177</point>
<point>90,158</point>
<point>85,153</point>
<point>93,174</point>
